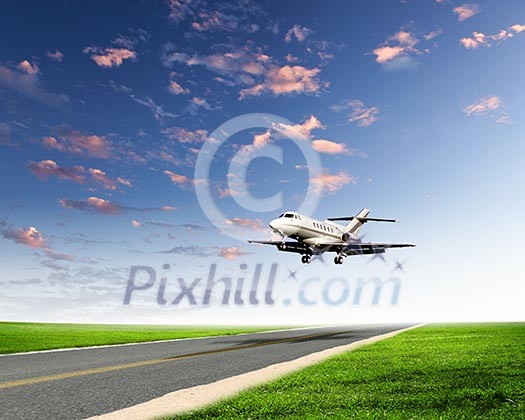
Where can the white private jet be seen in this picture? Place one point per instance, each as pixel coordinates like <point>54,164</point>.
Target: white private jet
<point>314,237</point>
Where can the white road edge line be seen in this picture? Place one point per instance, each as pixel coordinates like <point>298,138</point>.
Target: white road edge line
<point>196,397</point>
<point>103,346</point>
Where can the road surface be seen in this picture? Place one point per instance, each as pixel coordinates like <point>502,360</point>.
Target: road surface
<point>75,384</point>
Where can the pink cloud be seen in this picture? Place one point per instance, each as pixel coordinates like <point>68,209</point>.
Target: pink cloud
<point>100,176</point>
<point>330,147</point>
<point>175,88</point>
<point>177,178</point>
<point>110,57</point>
<point>256,71</point>
<point>479,39</point>
<point>489,105</point>
<point>466,11</point>
<point>285,80</point>
<point>75,142</point>
<point>300,131</point>
<point>136,224</point>
<point>48,168</point>
<point>28,68</point>
<point>95,204</point>
<point>231,253</point>
<point>331,183</point>
<point>180,9</point>
<point>401,45</point>
<point>384,54</point>
<point>254,224</point>
<point>26,236</point>
<point>484,105</point>
<point>518,28</point>
<point>298,32</point>
<point>185,136</point>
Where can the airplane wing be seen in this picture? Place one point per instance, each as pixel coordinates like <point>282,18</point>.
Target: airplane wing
<point>359,248</point>
<point>265,242</point>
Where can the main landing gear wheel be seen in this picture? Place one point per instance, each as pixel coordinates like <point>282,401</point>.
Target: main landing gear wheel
<point>338,259</point>
<point>305,259</point>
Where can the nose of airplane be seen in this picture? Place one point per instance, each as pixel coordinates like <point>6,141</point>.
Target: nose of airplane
<point>273,224</point>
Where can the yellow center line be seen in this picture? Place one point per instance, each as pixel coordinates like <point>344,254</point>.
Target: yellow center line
<point>94,371</point>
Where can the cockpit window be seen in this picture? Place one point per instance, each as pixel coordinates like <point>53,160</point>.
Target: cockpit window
<point>281,215</point>
<point>288,215</point>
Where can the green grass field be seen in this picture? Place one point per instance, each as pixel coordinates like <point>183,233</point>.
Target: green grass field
<point>21,336</point>
<point>434,372</point>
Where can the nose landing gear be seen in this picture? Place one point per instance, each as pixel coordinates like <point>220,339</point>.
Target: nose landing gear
<point>305,259</point>
<point>338,259</point>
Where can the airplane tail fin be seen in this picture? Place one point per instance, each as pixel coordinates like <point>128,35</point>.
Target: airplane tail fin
<point>357,222</point>
<point>354,226</point>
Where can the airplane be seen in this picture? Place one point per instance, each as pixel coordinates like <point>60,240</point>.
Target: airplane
<point>310,237</point>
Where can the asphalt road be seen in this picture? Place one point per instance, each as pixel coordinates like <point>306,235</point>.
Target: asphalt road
<point>81,383</point>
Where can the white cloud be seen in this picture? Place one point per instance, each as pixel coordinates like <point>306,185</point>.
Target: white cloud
<point>466,11</point>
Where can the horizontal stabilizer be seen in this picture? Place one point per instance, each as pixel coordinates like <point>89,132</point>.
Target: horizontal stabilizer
<point>362,219</point>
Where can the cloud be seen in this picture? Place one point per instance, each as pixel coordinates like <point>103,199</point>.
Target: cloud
<point>28,68</point>
<point>185,136</point>
<point>300,131</point>
<point>57,255</point>
<point>24,80</point>
<point>466,11</point>
<point>102,206</point>
<point>180,180</point>
<point>298,32</point>
<point>483,106</point>
<point>489,105</point>
<point>254,224</point>
<point>479,39</point>
<point>56,55</point>
<point>216,16</point>
<point>158,112</point>
<point>398,51</point>
<point>175,88</point>
<point>196,103</point>
<point>232,253</point>
<point>330,147</point>
<point>254,70</point>
<point>110,57</point>
<point>48,168</point>
<point>72,141</point>
<point>260,140</point>
<point>177,178</point>
<point>285,80</point>
<point>124,181</point>
<point>136,224</point>
<point>26,236</point>
<point>432,34</point>
<point>327,183</point>
<point>363,116</point>
<point>100,176</point>
<point>180,9</point>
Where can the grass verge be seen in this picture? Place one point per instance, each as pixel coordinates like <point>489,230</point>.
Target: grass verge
<point>433,372</point>
<point>23,336</point>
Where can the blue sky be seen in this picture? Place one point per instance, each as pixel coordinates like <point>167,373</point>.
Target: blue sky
<point>415,109</point>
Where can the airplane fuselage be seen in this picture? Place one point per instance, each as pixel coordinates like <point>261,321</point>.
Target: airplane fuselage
<point>307,230</point>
